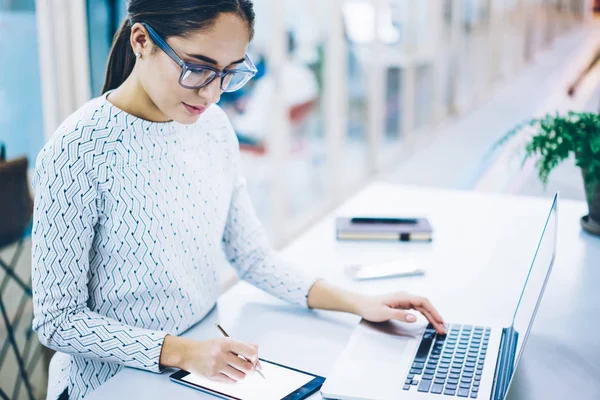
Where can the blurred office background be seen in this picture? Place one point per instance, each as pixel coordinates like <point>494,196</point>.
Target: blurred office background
<point>348,91</point>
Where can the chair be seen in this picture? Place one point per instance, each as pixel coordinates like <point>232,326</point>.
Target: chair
<point>16,209</point>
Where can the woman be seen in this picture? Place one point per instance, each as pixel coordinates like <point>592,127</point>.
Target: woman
<point>137,195</point>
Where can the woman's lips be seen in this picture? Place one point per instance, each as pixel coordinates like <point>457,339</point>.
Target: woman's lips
<point>194,110</point>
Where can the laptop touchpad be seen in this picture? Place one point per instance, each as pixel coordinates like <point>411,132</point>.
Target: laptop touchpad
<point>374,345</point>
<point>382,342</point>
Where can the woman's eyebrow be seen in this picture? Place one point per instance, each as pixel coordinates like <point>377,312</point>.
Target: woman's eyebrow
<point>211,61</point>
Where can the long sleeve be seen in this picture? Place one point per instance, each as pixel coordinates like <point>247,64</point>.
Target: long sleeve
<point>64,218</point>
<point>248,249</point>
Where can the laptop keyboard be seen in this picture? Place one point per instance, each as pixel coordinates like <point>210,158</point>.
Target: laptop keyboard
<point>450,364</point>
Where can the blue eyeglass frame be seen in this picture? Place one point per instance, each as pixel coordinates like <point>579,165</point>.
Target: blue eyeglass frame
<point>185,66</point>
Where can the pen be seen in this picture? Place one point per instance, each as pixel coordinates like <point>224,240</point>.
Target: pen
<point>257,362</point>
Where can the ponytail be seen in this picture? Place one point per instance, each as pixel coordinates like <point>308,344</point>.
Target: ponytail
<point>121,59</point>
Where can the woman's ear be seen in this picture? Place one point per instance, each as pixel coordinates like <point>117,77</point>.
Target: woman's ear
<point>140,42</point>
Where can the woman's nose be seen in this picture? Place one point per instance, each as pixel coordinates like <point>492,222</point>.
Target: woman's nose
<point>212,92</point>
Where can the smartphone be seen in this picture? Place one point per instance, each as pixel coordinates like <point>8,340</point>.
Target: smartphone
<point>392,269</point>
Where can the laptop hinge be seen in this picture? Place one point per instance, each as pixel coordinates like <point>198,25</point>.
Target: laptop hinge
<point>505,364</point>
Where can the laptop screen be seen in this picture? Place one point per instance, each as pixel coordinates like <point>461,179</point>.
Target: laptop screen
<point>535,283</point>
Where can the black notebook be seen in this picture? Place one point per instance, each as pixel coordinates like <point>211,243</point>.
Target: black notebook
<point>383,228</point>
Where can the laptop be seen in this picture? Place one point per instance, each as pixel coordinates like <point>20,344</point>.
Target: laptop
<point>473,360</point>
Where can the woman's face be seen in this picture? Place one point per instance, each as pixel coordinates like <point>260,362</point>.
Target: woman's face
<point>221,46</point>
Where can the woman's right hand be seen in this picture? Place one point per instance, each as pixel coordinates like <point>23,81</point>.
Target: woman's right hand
<point>215,359</point>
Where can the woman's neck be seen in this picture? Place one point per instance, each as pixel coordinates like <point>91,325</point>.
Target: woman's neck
<point>133,99</point>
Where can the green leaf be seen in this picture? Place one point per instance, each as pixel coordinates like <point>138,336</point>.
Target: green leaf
<point>595,144</point>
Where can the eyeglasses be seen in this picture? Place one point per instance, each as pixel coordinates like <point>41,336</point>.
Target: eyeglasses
<point>197,76</point>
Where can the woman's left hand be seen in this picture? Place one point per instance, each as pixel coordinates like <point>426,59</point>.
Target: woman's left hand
<point>394,306</point>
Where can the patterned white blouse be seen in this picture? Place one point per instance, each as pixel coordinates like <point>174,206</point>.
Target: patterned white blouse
<point>131,218</point>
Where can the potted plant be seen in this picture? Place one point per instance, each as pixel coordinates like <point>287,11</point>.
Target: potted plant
<point>554,139</point>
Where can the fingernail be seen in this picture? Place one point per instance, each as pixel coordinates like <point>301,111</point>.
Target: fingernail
<point>411,318</point>
<point>259,367</point>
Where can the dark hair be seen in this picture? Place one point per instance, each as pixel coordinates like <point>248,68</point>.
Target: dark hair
<point>168,18</point>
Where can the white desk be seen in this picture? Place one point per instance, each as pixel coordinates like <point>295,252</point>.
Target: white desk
<point>475,267</point>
